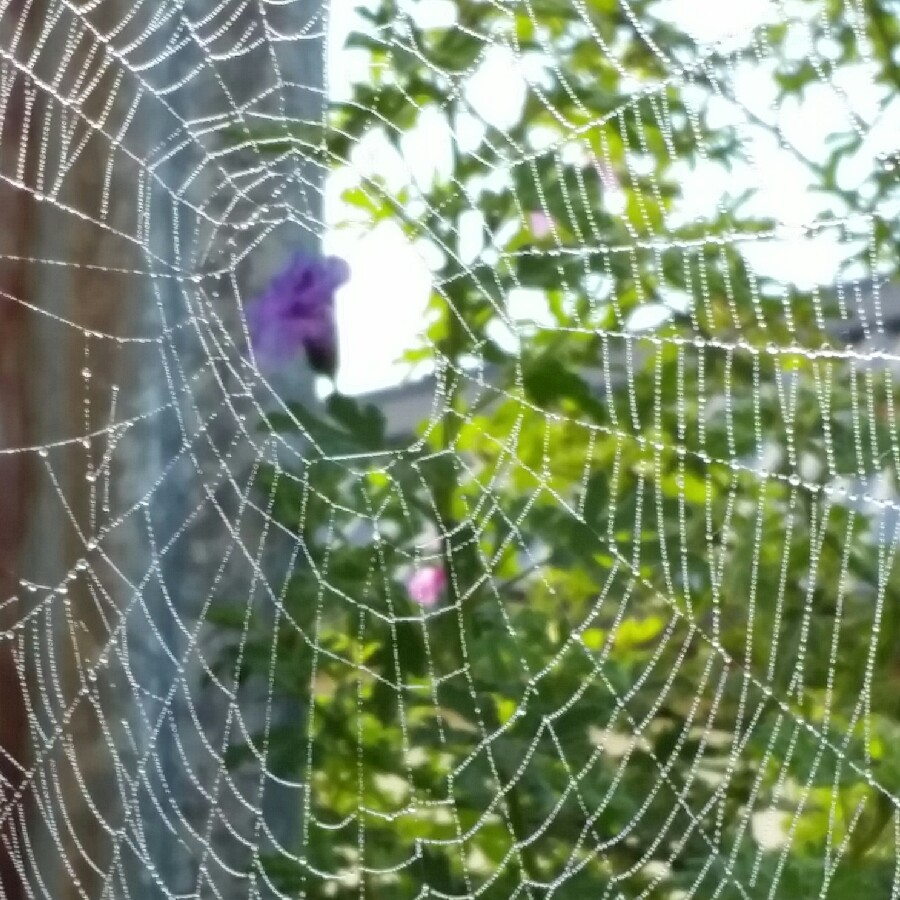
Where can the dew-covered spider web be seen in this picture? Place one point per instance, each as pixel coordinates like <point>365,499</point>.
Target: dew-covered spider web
<point>601,602</point>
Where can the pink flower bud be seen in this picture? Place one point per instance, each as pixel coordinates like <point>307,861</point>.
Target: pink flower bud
<point>426,585</point>
<point>541,224</point>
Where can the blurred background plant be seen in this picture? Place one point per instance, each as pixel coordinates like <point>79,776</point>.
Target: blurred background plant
<point>620,619</point>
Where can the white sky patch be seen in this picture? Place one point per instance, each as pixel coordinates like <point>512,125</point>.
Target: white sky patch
<point>883,137</point>
<point>715,21</point>
<point>344,67</point>
<point>374,155</point>
<point>469,132</point>
<point>499,332</point>
<point>428,149</point>
<point>648,316</point>
<point>381,310</point>
<point>801,261</point>
<point>497,89</point>
<point>782,187</point>
<point>528,306</point>
<point>433,14</point>
<point>471,236</point>
<point>678,301</point>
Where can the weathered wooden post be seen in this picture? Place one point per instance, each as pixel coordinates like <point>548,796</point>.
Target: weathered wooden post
<point>149,227</point>
<point>15,209</point>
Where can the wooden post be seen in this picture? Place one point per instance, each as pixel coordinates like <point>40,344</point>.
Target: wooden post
<point>125,363</point>
<point>15,211</point>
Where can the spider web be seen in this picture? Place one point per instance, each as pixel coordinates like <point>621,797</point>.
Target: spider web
<point>145,208</point>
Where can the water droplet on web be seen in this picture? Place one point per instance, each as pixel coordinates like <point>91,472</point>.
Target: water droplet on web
<point>43,453</point>
<point>86,373</point>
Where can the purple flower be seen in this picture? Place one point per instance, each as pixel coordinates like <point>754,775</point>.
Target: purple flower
<point>426,585</point>
<point>296,312</point>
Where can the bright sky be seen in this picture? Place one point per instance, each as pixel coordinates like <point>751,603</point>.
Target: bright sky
<point>381,311</point>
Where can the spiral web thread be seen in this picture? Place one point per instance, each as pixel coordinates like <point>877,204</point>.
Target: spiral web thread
<point>124,783</point>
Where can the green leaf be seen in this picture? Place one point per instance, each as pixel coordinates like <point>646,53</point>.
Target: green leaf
<point>227,615</point>
<point>871,824</point>
<point>634,633</point>
<point>366,423</point>
<point>330,440</point>
<point>548,380</point>
<point>594,638</point>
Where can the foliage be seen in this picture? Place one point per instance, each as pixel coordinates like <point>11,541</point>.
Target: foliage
<point>668,608</point>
